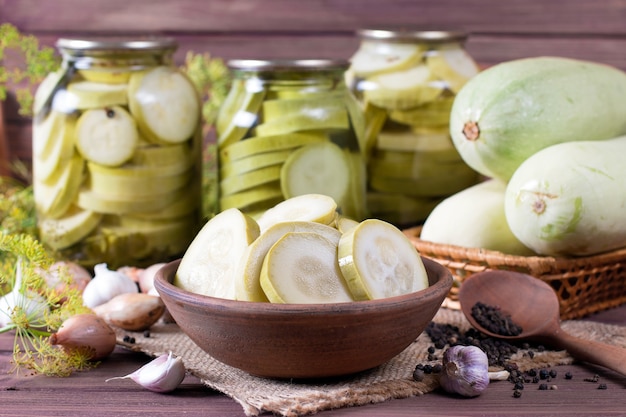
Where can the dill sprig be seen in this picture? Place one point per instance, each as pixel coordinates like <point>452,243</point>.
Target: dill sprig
<point>212,80</point>
<point>40,309</point>
<point>38,62</point>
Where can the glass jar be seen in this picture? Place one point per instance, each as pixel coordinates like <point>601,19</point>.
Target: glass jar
<point>406,82</point>
<point>117,153</point>
<point>287,128</point>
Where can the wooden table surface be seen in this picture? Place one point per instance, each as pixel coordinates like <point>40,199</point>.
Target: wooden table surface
<point>87,394</point>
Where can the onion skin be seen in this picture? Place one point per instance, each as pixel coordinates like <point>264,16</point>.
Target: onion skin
<point>86,331</point>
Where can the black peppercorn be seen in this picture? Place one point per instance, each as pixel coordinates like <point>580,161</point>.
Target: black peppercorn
<point>494,320</point>
<point>602,386</point>
<point>418,375</point>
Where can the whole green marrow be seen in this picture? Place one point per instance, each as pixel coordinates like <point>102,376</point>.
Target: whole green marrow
<point>508,112</point>
<point>570,199</point>
<point>474,218</point>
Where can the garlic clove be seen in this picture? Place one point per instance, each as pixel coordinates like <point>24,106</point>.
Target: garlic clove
<point>86,331</point>
<point>465,370</point>
<point>131,311</point>
<point>105,285</point>
<point>163,374</point>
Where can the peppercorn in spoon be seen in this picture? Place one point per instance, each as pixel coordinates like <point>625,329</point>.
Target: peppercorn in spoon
<point>516,306</point>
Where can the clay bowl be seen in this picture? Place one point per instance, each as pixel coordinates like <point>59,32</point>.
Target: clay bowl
<point>302,341</point>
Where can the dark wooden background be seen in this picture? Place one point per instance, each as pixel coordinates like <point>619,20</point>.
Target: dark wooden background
<point>499,30</point>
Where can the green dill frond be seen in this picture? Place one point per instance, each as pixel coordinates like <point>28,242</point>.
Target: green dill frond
<point>212,80</point>
<point>41,357</point>
<point>37,62</point>
<point>27,247</point>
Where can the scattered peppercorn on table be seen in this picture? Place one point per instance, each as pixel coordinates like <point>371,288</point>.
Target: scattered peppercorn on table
<point>590,391</point>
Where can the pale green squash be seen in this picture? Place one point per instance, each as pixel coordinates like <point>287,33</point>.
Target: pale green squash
<point>474,218</point>
<point>508,112</point>
<point>570,198</point>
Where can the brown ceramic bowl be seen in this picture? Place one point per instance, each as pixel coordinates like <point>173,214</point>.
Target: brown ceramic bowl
<point>304,340</point>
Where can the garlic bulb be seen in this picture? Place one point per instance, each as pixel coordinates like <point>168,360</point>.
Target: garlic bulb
<point>105,285</point>
<point>86,331</point>
<point>32,304</point>
<point>163,374</point>
<point>64,274</point>
<point>131,311</point>
<point>465,370</point>
<point>146,278</point>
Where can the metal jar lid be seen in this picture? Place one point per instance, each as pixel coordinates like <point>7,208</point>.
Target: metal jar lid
<point>258,65</point>
<point>403,35</point>
<point>104,46</point>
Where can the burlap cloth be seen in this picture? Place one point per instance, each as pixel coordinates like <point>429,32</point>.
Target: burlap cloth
<point>391,380</point>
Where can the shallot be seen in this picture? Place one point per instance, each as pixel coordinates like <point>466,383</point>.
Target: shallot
<point>131,311</point>
<point>86,331</point>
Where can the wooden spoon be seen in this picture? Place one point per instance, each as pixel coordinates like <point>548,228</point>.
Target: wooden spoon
<point>533,305</point>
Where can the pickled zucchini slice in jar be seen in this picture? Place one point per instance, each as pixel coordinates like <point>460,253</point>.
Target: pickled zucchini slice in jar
<point>53,145</point>
<point>94,95</point>
<point>106,136</point>
<point>165,104</point>
<point>53,200</point>
<point>258,145</point>
<point>374,58</point>
<point>72,227</point>
<point>404,90</point>
<point>239,111</point>
<point>452,65</point>
<point>320,168</point>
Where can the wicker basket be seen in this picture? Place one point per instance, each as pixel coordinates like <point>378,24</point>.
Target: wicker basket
<point>584,285</point>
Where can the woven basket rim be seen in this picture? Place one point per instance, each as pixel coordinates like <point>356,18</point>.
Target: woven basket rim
<point>537,264</point>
